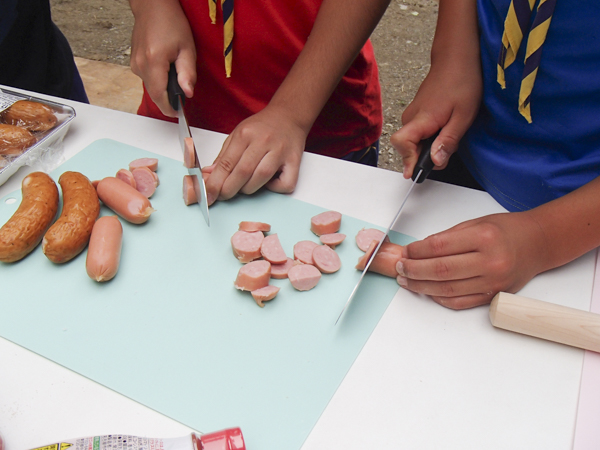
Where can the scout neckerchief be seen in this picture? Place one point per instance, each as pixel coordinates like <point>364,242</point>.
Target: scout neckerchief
<point>516,26</point>
<point>227,8</point>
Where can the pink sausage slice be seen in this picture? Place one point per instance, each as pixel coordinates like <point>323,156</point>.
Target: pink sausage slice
<point>189,194</point>
<point>126,201</point>
<point>272,250</point>
<point>255,226</point>
<point>189,154</point>
<point>303,251</point>
<point>365,236</point>
<point>332,239</point>
<point>144,181</point>
<point>264,294</point>
<point>126,176</point>
<point>253,276</point>
<point>156,180</point>
<point>326,223</point>
<point>304,276</point>
<point>385,260</point>
<point>104,249</point>
<point>326,259</point>
<point>246,246</point>
<point>280,271</point>
<point>150,163</point>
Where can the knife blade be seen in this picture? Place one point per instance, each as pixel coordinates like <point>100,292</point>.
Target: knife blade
<point>421,171</point>
<point>177,101</point>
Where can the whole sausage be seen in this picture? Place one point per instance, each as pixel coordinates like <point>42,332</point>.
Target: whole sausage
<point>26,228</point>
<point>104,250</point>
<point>33,116</point>
<point>14,140</point>
<point>126,201</point>
<point>71,232</point>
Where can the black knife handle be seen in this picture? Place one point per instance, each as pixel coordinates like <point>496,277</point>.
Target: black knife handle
<point>174,90</point>
<point>424,163</point>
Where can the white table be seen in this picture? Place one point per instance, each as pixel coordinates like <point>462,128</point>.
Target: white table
<point>428,378</point>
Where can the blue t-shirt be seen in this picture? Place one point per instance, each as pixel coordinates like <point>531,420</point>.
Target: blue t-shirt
<point>524,165</point>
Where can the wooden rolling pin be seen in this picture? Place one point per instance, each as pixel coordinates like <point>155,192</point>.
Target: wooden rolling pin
<point>546,320</point>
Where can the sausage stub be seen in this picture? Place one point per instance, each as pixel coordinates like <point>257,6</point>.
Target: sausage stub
<point>71,232</point>
<point>26,228</point>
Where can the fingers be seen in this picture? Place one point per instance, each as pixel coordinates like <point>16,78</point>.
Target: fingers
<point>457,240</point>
<point>186,70</point>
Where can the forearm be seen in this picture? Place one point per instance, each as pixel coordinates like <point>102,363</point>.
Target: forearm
<point>138,7</point>
<point>570,224</point>
<point>340,31</point>
<point>456,40</point>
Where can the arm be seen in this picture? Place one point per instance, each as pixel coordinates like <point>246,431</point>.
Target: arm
<point>272,141</point>
<point>162,35</point>
<point>449,97</point>
<point>467,265</point>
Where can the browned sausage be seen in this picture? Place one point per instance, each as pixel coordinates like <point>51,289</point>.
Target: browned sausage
<point>71,232</point>
<point>126,201</point>
<point>25,229</point>
<point>14,140</point>
<point>104,251</point>
<point>33,116</point>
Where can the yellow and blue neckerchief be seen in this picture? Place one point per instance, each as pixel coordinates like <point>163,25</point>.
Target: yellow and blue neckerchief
<point>227,8</point>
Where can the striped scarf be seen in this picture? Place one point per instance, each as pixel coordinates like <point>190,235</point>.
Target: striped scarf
<point>516,26</point>
<point>227,8</point>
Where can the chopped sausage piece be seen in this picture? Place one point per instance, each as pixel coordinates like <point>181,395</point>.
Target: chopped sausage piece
<point>246,246</point>
<point>304,276</point>
<point>280,271</point>
<point>303,251</point>
<point>326,259</point>
<point>385,260</point>
<point>150,163</point>
<point>126,176</point>
<point>272,250</point>
<point>332,239</point>
<point>253,276</point>
<point>126,201</point>
<point>264,294</point>
<point>254,226</point>
<point>104,249</point>
<point>144,181</point>
<point>326,223</point>
<point>189,194</point>
<point>367,235</point>
<point>189,154</point>
<point>156,180</point>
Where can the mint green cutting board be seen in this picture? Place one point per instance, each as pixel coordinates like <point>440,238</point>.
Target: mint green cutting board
<point>171,332</point>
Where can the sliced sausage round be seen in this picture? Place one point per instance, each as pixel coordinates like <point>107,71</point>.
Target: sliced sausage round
<point>280,271</point>
<point>365,236</point>
<point>326,223</point>
<point>332,239</point>
<point>303,251</point>
<point>304,276</point>
<point>326,259</point>
<point>272,250</point>
<point>189,154</point>
<point>264,294</point>
<point>246,246</point>
<point>150,163</point>
<point>144,181</point>
<point>254,226</point>
<point>253,276</point>
<point>189,194</point>
<point>126,176</point>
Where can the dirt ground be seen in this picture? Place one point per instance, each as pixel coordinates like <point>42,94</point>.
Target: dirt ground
<point>101,30</point>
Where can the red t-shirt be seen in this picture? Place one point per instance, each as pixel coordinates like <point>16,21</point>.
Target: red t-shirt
<point>269,36</point>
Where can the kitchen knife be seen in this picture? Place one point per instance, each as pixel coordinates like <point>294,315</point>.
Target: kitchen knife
<point>177,100</point>
<point>421,171</point>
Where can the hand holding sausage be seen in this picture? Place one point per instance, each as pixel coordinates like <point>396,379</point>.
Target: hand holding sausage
<point>265,149</point>
<point>468,264</point>
<point>162,35</point>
